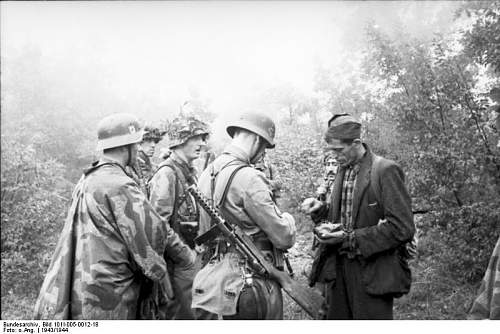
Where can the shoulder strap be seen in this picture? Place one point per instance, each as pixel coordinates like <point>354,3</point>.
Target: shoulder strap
<point>228,183</point>
<point>173,217</point>
<point>408,249</point>
<point>375,178</point>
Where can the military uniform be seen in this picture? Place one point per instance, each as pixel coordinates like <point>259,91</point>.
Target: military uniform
<point>110,248</point>
<point>249,203</point>
<point>487,303</point>
<point>143,168</point>
<point>169,197</point>
<point>145,165</point>
<point>176,206</point>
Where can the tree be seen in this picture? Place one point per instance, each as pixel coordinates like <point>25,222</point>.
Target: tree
<point>482,40</point>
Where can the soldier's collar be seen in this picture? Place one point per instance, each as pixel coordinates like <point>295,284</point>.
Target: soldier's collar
<point>237,152</point>
<point>102,162</point>
<point>177,158</point>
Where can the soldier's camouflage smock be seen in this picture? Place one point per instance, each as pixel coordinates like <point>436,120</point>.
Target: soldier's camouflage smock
<point>487,303</point>
<point>144,165</point>
<point>142,171</point>
<point>111,243</point>
<point>169,196</point>
<point>177,207</point>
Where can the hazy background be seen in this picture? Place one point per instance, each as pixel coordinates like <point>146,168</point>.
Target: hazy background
<point>156,55</point>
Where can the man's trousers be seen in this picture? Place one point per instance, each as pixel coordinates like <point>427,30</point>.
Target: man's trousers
<point>347,298</point>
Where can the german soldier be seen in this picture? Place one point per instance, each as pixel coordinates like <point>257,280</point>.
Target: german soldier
<point>108,263</point>
<point>152,136</point>
<point>243,194</point>
<point>143,169</point>
<point>168,193</point>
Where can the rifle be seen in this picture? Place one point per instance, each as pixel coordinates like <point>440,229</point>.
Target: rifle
<point>308,299</point>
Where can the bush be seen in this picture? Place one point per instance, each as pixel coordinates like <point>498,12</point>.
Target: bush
<point>464,239</point>
<point>32,215</point>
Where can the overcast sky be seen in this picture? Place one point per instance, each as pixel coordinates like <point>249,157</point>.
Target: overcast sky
<point>222,49</point>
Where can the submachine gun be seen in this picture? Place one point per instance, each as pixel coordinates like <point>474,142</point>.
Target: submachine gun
<point>306,298</point>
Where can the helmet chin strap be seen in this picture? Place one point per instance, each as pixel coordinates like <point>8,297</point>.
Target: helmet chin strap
<point>259,146</point>
<point>129,158</point>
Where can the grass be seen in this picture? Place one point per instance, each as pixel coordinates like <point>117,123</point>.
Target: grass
<point>17,307</point>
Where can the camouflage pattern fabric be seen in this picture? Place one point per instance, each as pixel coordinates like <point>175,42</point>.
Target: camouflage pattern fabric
<point>487,303</point>
<point>182,128</point>
<point>136,175</point>
<point>175,205</point>
<point>145,165</point>
<point>111,245</point>
<point>153,134</point>
<point>169,184</point>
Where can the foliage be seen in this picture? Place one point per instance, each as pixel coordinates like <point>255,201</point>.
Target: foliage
<point>443,121</point>
<point>31,209</point>
<point>468,235</point>
<point>482,41</point>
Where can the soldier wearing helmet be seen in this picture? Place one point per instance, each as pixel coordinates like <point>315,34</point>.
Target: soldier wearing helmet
<point>108,263</point>
<point>168,194</point>
<point>144,167</point>
<point>244,194</point>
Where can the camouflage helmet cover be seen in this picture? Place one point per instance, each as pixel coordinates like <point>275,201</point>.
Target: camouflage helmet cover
<point>152,134</point>
<point>118,130</point>
<point>184,127</point>
<point>259,124</point>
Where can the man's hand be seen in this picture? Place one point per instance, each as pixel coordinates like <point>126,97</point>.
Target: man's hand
<point>326,227</point>
<point>329,233</point>
<point>310,205</point>
<point>331,238</point>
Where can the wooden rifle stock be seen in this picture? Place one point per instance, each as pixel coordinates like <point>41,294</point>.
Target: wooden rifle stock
<point>308,299</point>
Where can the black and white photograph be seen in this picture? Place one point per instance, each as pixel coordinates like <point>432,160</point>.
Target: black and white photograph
<point>248,160</point>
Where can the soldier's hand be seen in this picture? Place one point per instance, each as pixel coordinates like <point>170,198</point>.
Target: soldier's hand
<point>188,260</point>
<point>310,205</point>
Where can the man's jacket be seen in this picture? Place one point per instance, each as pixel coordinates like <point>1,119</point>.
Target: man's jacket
<point>169,197</point>
<point>111,245</point>
<point>381,229</point>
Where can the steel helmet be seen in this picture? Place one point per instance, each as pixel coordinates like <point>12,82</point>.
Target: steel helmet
<point>152,134</point>
<point>118,130</point>
<point>184,127</point>
<point>257,123</point>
